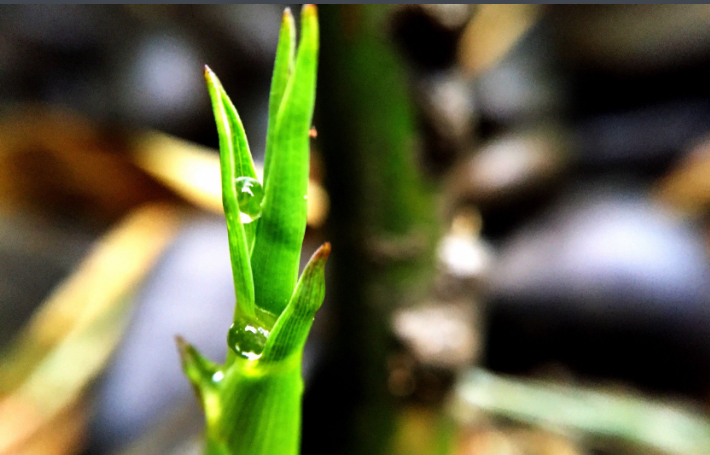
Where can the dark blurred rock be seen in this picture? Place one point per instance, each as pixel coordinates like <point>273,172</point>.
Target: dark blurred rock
<point>686,187</point>
<point>67,28</point>
<point>643,140</point>
<point>511,167</point>
<point>160,80</point>
<point>608,284</point>
<point>245,25</point>
<point>448,116</point>
<point>632,38</point>
<point>439,334</point>
<point>428,34</point>
<point>435,339</point>
<point>141,64</point>
<point>36,253</point>
<point>464,258</point>
<point>54,53</point>
<point>491,33</point>
<point>525,85</point>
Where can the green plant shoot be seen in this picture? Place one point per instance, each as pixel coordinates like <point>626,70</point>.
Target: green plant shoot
<point>252,402</point>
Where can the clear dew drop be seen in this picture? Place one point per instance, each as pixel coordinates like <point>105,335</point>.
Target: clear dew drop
<point>247,339</point>
<point>250,194</point>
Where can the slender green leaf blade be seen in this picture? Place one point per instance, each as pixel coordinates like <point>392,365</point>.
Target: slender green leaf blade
<point>291,329</point>
<point>283,68</point>
<point>234,137</point>
<point>235,161</point>
<point>277,247</point>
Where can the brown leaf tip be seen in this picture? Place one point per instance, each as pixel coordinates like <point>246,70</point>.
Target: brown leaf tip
<point>183,346</point>
<point>309,9</point>
<point>322,253</point>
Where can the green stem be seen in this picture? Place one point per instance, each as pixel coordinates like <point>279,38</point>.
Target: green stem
<point>259,411</point>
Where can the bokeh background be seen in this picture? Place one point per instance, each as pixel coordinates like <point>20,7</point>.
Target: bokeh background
<point>517,196</point>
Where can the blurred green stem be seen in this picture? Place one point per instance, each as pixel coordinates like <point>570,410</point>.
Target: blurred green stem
<point>383,221</point>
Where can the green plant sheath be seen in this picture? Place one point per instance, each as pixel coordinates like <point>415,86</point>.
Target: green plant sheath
<point>252,402</point>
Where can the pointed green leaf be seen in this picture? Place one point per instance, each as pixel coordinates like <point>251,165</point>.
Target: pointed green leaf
<point>232,138</point>
<point>231,131</point>
<point>291,329</point>
<point>235,162</point>
<point>277,248</point>
<point>198,369</point>
<point>283,68</point>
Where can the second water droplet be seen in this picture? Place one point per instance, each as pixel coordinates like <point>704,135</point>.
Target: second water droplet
<point>250,194</point>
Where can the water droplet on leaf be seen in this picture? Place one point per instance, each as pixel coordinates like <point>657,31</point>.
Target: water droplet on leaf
<point>250,194</point>
<point>247,337</point>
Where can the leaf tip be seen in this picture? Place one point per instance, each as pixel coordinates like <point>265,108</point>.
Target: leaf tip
<point>322,253</point>
<point>287,15</point>
<point>209,74</point>
<point>198,369</point>
<point>293,325</point>
<point>211,78</point>
<point>310,10</point>
<point>182,345</point>
<point>188,354</point>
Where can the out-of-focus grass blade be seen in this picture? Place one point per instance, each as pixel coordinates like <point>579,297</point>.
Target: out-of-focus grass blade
<point>63,347</point>
<point>291,329</point>
<point>283,68</point>
<point>592,413</point>
<point>235,162</point>
<point>277,248</point>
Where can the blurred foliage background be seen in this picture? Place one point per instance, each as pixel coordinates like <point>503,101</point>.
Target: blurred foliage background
<point>517,196</point>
